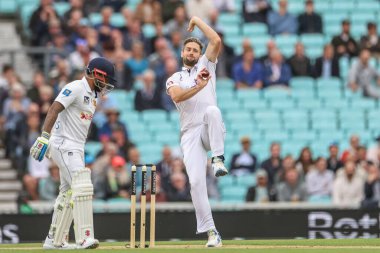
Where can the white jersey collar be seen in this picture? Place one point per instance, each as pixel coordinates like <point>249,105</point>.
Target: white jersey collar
<point>86,85</point>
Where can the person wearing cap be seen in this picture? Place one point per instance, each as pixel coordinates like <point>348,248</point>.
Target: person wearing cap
<point>309,21</point>
<point>261,192</point>
<point>371,40</point>
<point>118,182</point>
<point>373,153</point>
<point>344,44</point>
<point>63,138</point>
<point>244,162</point>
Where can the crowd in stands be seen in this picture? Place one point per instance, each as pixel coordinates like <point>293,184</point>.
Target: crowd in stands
<point>143,63</point>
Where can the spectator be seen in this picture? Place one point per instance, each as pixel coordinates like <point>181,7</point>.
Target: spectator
<point>46,94</point>
<point>271,46</point>
<point>59,75</point>
<point>261,192</point>
<point>123,74</point>
<point>179,190</point>
<point>349,188</point>
<point>333,161</point>
<point>157,59</point>
<point>164,167</point>
<point>224,5</point>
<point>287,164</point>
<point>292,189</point>
<point>122,142</point>
<point>371,41</point>
<point>38,81</point>
<point>137,63</point>
<point>116,5</point>
<point>178,23</point>
<point>282,22</point>
<point>176,45</point>
<point>248,73</point>
<point>327,65</point>
<point>168,9</point>
<point>149,97</point>
<point>276,72</point>
<point>75,5</point>
<point>15,109</point>
<point>255,10</point>
<point>361,158</point>
<point>171,66</point>
<point>344,44</point>
<point>39,21</point>
<point>244,162</point>
<point>225,59</point>
<point>199,8</point>
<point>362,74</point>
<point>73,25</point>
<point>133,35</point>
<point>118,181</point>
<point>372,188</point>
<point>352,150</point>
<point>160,193</point>
<point>48,187</point>
<point>108,48</point>
<point>373,153</point>
<point>273,164</point>
<point>80,58</point>
<point>60,47</point>
<point>309,21</point>
<point>305,161</point>
<point>319,181</point>
<point>112,123</point>
<point>148,12</point>
<point>299,62</point>
<point>105,27</point>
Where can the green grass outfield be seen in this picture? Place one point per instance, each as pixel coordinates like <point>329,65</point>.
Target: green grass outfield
<point>262,246</point>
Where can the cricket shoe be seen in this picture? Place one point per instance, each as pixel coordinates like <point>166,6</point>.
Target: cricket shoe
<point>217,164</point>
<point>49,244</point>
<point>89,243</point>
<point>214,239</point>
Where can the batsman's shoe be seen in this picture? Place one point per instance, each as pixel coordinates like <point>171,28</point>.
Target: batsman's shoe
<point>88,243</point>
<point>214,239</point>
<point>49,244</point>
<point>218,166</point>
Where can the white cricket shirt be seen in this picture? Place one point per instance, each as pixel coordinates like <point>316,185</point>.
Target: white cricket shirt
<point>80,104</point>
<point>192,110</point>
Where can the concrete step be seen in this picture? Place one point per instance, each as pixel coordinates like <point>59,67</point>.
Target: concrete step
<point>8,196</point>
<point>8,174</point>
<point>5,164</point>
<point>11,186</point>
<point>8,207</point>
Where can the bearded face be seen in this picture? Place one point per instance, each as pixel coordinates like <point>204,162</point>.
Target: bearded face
<point>190,54</point>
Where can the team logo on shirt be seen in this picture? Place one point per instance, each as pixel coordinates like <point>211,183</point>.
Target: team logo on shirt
<point>94,102</point>
<point>86,116</point>
<point>66,92</point>
<point>86,100</point>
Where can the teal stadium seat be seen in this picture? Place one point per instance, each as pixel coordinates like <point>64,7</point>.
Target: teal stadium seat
<point>253,29</point>
<point>244,95</point>
<point>295,125</point>
<point>149,30</point>
<point>276,94</point>
<point>154,116</point>
<point>303,94</point>
<point>118,20</point>
<point>253,104</point>
<point>281,136</point>
<point>99,206</point>
<point>61,8</point>
<point>234,193</point>
<point>266,115</point>
<point>225,94</point>
<point>93,147</point>
<point>329,83</point>
<point>331,136</point>
<point>364,17</point>
<point>292,148</point>
<point>239,116</point>
<point>319,114</point>
<point>343,6</point>
<point>229,18</point>
<point>363,103</point>
<point>163,126</point>
<point>8,7</point>
<point>295,114</point>
<point>95,18</point>
<point>368,5</point>
<point>323,124</point>
<point>313,40</point>
<point>246,180</point>
<point>303,135</point>
<point>306,103</point>
<point>226,181</point>
<point>329,93</point>
<point>224,84</point>
<point>320,199</point>
<point>282,104</point>
<point>284,41</point>
<point>302,83</point>
<point>335,103</point>
<point>167,138</point>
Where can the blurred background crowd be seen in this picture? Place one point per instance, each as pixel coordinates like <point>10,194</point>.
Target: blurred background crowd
<point>298,84</point>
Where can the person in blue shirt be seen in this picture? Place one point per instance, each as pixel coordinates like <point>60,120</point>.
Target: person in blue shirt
<point>276,71</point>
<point>282,22</point>
<point>248,73</point>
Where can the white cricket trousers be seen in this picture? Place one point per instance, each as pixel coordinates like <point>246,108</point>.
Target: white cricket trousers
<point>69,159</point>
<point>195,144</point>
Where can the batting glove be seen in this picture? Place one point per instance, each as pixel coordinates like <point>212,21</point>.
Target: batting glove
<point>40,147</point>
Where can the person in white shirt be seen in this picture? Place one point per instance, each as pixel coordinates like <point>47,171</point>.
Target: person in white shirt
<point>63,138</point>
<point>193,91</point>
<point>319,181</point>
<point>348,189</point>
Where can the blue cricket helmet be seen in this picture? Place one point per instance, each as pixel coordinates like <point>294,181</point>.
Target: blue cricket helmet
<point>103,72</point>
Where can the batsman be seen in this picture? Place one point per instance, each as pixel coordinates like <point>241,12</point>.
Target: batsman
<point>63,138</point>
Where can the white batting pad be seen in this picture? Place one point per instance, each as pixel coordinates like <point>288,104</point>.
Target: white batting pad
<point>62,218</point>
<point>83,191</point>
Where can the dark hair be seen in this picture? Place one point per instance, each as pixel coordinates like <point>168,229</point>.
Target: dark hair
<point>7,67</point>
<point>371,25</point>
<point>193,39</point>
